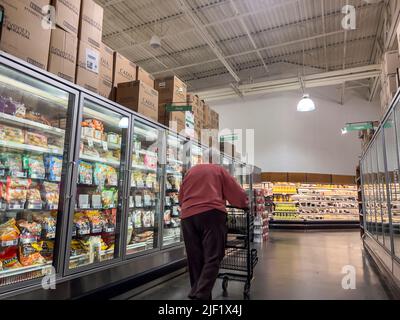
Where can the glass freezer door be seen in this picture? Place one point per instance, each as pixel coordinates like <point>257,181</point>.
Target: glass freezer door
<point>33,169</point>
<point>196,155</point>
<point>175,169</point>
<point>144,196</point>
<point>94,229</point>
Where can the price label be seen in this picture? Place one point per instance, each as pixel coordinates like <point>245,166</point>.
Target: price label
<point>105,145</point>
<point>90,142</point>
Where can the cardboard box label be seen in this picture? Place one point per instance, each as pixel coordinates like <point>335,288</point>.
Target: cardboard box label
<point>162,84</point>
<point>92,60</point>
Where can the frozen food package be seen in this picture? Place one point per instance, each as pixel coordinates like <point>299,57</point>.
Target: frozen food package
<point>110,220</point>
<point>16,192</point>
<point>35,139</point>
<point>8,106</point>
<point>167,217</point>
<point>109,198</point>
<point>85,173</point>
<point>33,197</point>
<point>113,138</point>
<point>29,228</point>
<point>57,142</point>
<point>47,249</point>
<point>48,223</point>
<point>13,163</point>
<point>51,194</point>
<point>9,233</point>
<point>53,167</point>
<point>105,175</point>
<point>93,123</point>
<point>37,117</point>
<point>130,231</point>
<point>150,161</point>
<point>90,151</point>
<point>147,219</point>
<point>96,221</point>
<point>76,248</point>
<point>34,165</point>
<point>87,132</point>
<point>81,224</point>
<point>9,257</point>
<point>94,248</point>
<point>29,254</point>
<point>10,134</point>
<point>137,219</point>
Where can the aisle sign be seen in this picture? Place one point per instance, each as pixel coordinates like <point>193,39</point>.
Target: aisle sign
<point>173,108</point>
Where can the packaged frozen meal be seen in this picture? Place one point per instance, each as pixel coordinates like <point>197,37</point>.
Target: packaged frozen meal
<point>9,257</point>
<point>33,197</point>
<point>113,138</point>
<point>35,139</point>
<point>105,175</point>
<point>81,224</point>
<point>47,249</point>
<point>147,219</point>
<point>137,219</point>
<point>85,173</point>
<point>96,221</point>
<point>93,123</point>
<point>10,134</point>
<point>53,167</point>
<point>9,233</point>
<point>37,117</point>
<point>48,222</point>
<point>51,195</point>
<point>109,197</point>
<point>16,192</point>
<point>34,165</point>
<point>29,253</point>
<point>13,163</point>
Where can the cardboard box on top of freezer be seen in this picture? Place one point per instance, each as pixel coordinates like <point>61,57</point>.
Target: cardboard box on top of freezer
<point>67,14</point>
<point>106,71</point>
<point>143,75</point>
<point>63,54</point>
<point>87,71</point>
<point>171,90</point>
<point>26,32</point>
<point>124,70</point>
<point>139,97</point>
<point>91,23</point>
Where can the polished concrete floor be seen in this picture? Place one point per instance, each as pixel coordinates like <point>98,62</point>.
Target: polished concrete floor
<point>296,265</point>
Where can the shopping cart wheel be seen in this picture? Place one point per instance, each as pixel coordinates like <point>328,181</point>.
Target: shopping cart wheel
<point>246,292</point>
<point>225,286</point>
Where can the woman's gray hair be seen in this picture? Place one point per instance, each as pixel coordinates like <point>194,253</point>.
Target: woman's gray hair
<point>212,155</point>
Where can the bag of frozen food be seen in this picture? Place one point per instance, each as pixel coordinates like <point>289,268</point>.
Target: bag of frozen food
<point>35,139</point>
<point>16,192</point>
<point>81,224</point>
<point>9,257</point>
<point>9,233</point>
<point>53,166</point>
<point>130,230</point>
<point>11,134</point>
<point>76,248</point>
<point>47,249</point>
<point>167,217</point>
<point>37,117</point>
<point>109,218</point>
<point>150,161</point>
<point>33,197</point>
<point>56,142</point>
<point>13,163</point>
<point>137,219</point>
<point>48,222</point>
<point>94,248</point>
<point>93,123</point>
<point>96,221</point>
<point>51,195</point>
<point>109,198</point>
<point>34,165</point>
<point>100,174</point>
<point>29,228</point>
<point>85,173</point>
<point>147,219</point>
<point>113,138</point>
<point>90,151</point>
<point>29,253</point>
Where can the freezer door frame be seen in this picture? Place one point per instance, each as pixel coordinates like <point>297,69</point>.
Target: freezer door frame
<point>159,214</point>
<point>65,193</point>
<point>122,178</point>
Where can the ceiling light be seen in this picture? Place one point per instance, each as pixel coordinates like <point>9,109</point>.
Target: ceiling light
<point>306,104</point>
<point>155,42</point>
<point>344,130</point>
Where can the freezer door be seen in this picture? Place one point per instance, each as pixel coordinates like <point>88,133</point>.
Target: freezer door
<point>196,154</point>
<point>144,205</point>
<point>36,117</point>
<point>175,168</point>
<point>99,176</point>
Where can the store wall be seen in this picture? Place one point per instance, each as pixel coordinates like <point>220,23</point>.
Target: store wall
<point>291,141</point>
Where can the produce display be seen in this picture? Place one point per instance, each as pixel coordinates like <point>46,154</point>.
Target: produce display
<point>31,146</point>
<point>145,190</point>
<point>96,209</point>
<point>315,202</point>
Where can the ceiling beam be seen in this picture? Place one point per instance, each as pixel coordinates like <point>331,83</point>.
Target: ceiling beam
<point>247,31</point>
<point>310,81</point>
<point>324,31</point>
<point>202,31</point>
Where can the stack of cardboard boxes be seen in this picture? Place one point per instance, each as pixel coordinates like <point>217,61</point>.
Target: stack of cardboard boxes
<point>26,32</point>
<point>172,91</point>
<point>389,83</point>
<point>197,111</point>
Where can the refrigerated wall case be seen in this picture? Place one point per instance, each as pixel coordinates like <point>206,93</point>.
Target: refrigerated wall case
<point>88,188</point>
<point>379,171</point>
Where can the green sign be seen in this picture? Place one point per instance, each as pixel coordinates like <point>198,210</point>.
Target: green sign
<point>229,137</point>
<point>172,108</point>
<point>359,126</point>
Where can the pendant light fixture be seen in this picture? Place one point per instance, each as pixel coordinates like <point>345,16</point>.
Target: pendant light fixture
<point>306,104</point>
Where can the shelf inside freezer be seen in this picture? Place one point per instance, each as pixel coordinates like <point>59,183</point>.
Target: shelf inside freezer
<point>143,168</point>
<point>30,148</point>
<point>18,271</point>
<point>113,163</point>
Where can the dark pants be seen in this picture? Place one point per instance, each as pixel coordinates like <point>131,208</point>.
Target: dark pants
<point>205,238</point>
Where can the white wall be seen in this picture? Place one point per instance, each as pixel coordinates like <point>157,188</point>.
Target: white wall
<point>291,141</point>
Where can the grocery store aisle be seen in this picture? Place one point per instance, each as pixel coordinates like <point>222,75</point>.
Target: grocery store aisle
<point>296,265</point>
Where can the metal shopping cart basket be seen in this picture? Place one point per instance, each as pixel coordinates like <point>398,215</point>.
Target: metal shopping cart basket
<point>240,258</point>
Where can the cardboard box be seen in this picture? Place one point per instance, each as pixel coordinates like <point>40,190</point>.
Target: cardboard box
<point>106,71</point>
<point>23,33</point>
<point>391,61</point>
<point>124,70</point>
<point>171,89</point>
<point>139,97</point>
<point>87,71</point>
<point>67,15</point>
<point>91,23</point>
<point>207,117</point>
<point>144,76</point>
<point>63,54</point>
<point>214,120</point>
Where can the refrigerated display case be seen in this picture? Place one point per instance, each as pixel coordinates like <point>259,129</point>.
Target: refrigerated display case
<point>35,132</point>
<point>176,157</point>
<point>101,144</point>
<point>144,192</point>
<point>196,154</point>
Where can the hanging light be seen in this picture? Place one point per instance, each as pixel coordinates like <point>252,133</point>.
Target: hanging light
<point>306,104</point>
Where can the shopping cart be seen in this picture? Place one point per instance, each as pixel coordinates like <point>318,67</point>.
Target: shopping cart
<point>240,258</point>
